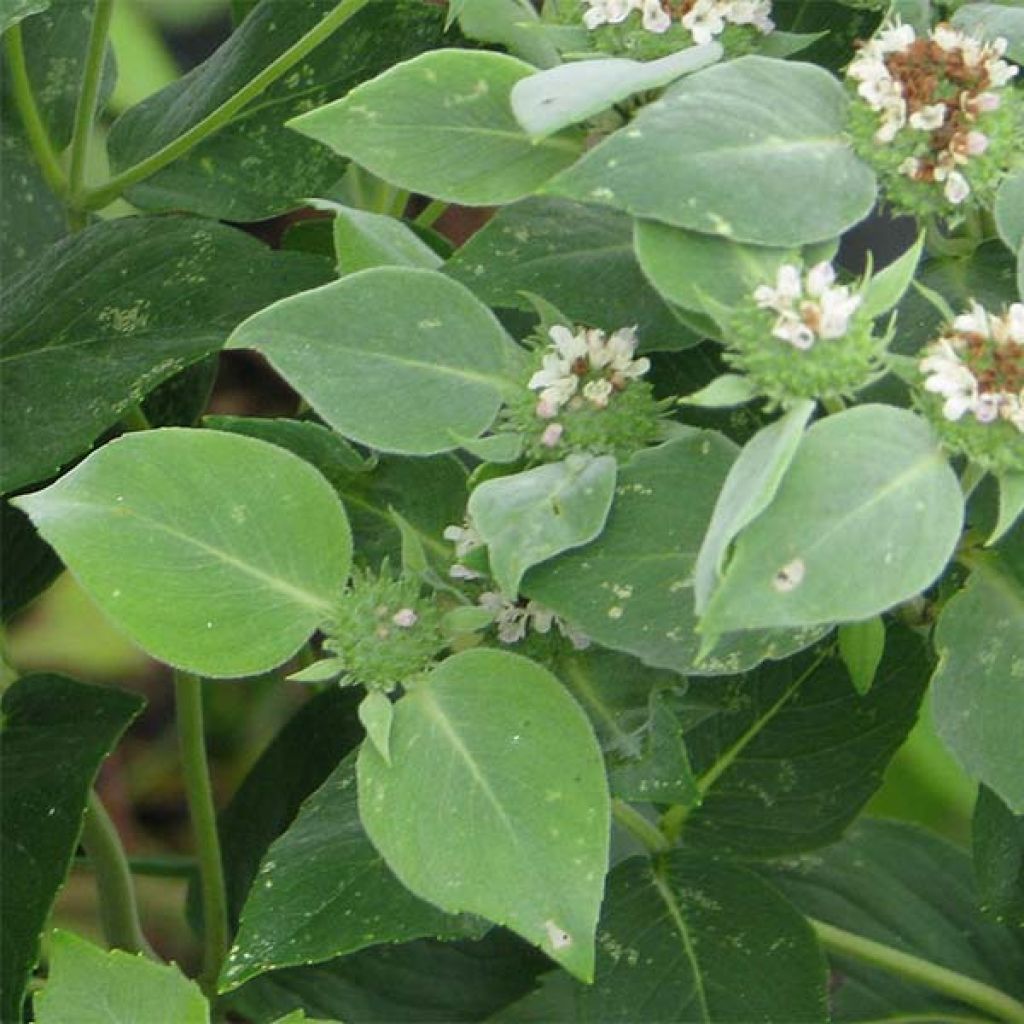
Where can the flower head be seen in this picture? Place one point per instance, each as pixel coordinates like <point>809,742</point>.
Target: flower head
<point>703,20</point>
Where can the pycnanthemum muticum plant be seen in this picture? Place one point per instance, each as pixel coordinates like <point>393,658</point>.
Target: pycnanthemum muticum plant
<point>618,533</point>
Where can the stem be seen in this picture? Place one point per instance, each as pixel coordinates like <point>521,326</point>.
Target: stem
<point>118,910</point>
<point>24,99</point>
<point>635,823</point>
<point>188,696</point>
<point>430,214</point>
<point>96,199</point>
<point>923,972</point>
<point>88,96</point>
<point>154,867</point>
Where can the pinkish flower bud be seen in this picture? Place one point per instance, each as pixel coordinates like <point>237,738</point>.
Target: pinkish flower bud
<point>552,435</point>
<point>405,618</point>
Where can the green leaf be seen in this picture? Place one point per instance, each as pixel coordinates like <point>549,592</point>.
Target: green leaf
<point>1011,505</point>
<point>419,359</point>
<point>689,158</point>
<point>887,287</point>
<point>753,481</point>
<point>30,564</point>
<point>994,21</point>
<point>978,688</point>
<point>323,891</point>
<point>513,24</point>
<point>504,735</point>
<point>213,552</point>
<point>632,588</point>
<point>496,448</point>
<point>363,240</point>
<point>55,735</point>
<point>454,102</point>
<point>529,517</point>
<point>1009,209</point>
<point>580,258</point>
<point>376,713</point>
<point>551,100</point>
<point>104,317</point>
<point>89,985</point>
<point>861,646</point>
<point>254,167</point>
<point>325,671</point>
<point>998,836</point>
<point>686,939</point>
<point>787,756</point>
<point>899,885</point>
<point>867,516</point>
<point>13,11</point>
<point>724,392</point>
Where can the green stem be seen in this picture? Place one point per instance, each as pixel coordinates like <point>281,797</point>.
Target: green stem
<point>154,867</point>
<point>96,199</point>
<point>922,972</point>
<point>634,822</point>
<point>88,96</point>
<point>24,99</point>
<point>118,910</point>
<point>133,418</point>
<point>430,214</point>
<point>188,696</point>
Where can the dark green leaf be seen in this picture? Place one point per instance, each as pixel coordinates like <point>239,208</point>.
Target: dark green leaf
<point>56,733</point>
<point>29,563</point>
<point>13,11</point>
<point>998,836</point>
<point>861,646</point>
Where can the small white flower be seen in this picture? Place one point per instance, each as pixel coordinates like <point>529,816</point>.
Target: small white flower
<point>704,21</point>
<point>956,189</point>
<point>974,322</point>
<point>1014,321</point>
<point>975,143</point>
<point>791,328</point>
<point>820,277</point>
<point>606,12</point>
<point>911,167</point>
<point>896,38</point>
<point>465,538</point>
<point>655,18</point>
<point>598,393</point>
<point>405,618</point>
<point>569,346</point>
<point>552,435</point>
<point>462,572</point>
<point>929,117</point>
<point>984,103</point>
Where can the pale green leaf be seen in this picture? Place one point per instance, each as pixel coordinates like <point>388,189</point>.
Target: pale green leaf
<point>1009,209</point>
<point>453,103</point>
<point>494,767</point>
<point>867,515</point>
<point>513,24</point>
<point>724,392</point>
<point>363,239</point>
<point>215,553</point>
<point>376,713</point>
<point>861,646</point>
<point>995,21</point>
<point>400,359</point>
<point>324,671</point>
<point>532,516</point>
<point>888,286</point>
<point>1011,505</point>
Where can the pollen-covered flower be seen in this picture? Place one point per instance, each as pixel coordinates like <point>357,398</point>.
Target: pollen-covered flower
<point>804,336</point>
<point>975,371</point>
<point>933,121</point>
<point>513,619</point>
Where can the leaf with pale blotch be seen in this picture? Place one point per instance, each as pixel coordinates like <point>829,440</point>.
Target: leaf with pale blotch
<point>400,359</point>
<point>529,517</point>
<point>502,733</point>
<point>454,102</point>
<point>216,553</point>
<point>867,516</point>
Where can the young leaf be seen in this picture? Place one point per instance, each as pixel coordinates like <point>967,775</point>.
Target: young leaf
<point>998,836</point>
<point>551,100</point>
<point>326,670</point>
<point>753,481</point>
<point>886,288</point>
<point>861,646</point>
<point>688,160</point>
<point>1011,505</point>
<point>363,239</point>
<point>104,317</point>
<point>512,24</point>
<point>1009,209</point>
<point>89,985</point>
<point>686,939</point>
<point>216,553</point>
<point>501,732</point>
<point>396,358</point>
<point>532,516</point>
<point>323,891</point>
<point>867,515</point>
<point>724,392</point>
<point>978,688</point>
<point>55,735</point>
<point>376,713</point>
<point>454,102</point>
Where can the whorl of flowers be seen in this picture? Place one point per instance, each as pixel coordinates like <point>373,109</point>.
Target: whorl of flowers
<point>703,19</point>
<point>976,369</point>
<point>932,98</point>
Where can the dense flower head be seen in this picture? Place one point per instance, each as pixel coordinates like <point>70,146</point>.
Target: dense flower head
<point>973,377</point>
<point>803,336</point>
<point>941,121</point>
<point>586,394</point>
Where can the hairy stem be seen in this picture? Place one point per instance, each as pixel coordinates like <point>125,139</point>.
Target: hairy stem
<point>96,199</point>
<point>88,96</point>
<point>922,972</point>
<point>188,697</point>
<point>25,101</point>
<point>118,910</point>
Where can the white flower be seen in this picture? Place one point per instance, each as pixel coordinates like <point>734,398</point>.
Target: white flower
<point>973,322</point>
<point>896,38</point>
<point>820,277</point>
<point>929,117</point>
<point>606,12</point>
<point>465,538</point>
<point>569,346</point>
<point>513,618</point>
<point>1014,323</point>
<point>552,435</point>
<point>598,393</point>
<point>837,306</point>
<point>405,618</point>
<point>462,572</point>
<point>949,377</point>
<point>655,18</point>
<point>704,21</point>
<point>956,189</point>
<point>791,328</point>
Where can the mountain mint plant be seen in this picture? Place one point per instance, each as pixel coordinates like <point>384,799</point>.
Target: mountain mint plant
<point>612,558</point>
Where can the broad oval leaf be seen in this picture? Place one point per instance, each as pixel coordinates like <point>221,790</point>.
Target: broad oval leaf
<point>215,553</point>
<point>104,317</point>
<point>979,684</point>
<point>689,158</point>
<point>450,102</point>
<point>399,359</point>
<point>867,515</point>
<point>502,733</point>
<point>532,516</point>
<point>55,735</point>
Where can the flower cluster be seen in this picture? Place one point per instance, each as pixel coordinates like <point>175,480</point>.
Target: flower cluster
<point>933,100</point>
<point>514,618</point>
<point>827,346</point>
<point>466,540</point>
<point>976,370</point>
<point>703,19</point>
